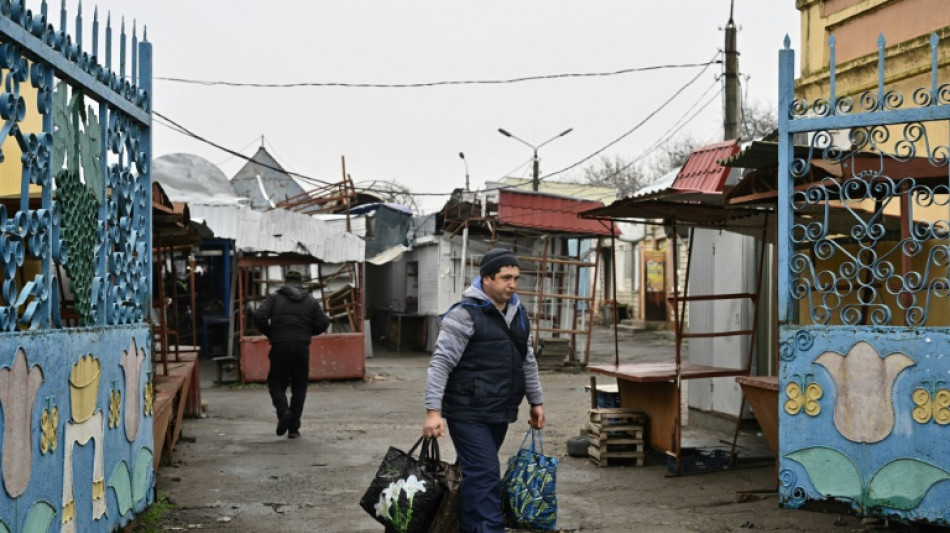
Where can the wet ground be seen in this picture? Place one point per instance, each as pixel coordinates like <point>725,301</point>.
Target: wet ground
<point>231,473</point>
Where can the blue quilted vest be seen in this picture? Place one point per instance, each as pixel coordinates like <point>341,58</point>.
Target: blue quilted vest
<point>488,384</point>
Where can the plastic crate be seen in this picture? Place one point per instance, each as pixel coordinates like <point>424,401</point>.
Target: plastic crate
<point>692,460</point>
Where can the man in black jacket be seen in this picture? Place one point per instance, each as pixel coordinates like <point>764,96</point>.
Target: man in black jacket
<point>289,318</point>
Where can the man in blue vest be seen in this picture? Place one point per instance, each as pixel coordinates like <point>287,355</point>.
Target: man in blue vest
<point>482,368</point>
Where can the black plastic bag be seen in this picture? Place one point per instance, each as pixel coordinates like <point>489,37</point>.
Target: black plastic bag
<point>446,519</point>
<point>405,494</point>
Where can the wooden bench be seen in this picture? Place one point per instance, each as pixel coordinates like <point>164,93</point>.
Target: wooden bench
<point>161,417</point>
<point>173,389</point>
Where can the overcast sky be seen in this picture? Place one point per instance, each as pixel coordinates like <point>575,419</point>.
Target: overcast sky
<point>413,136</point>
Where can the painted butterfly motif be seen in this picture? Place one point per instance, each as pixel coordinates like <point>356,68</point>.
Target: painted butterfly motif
<point>807,400</point>
<point>933,404</point>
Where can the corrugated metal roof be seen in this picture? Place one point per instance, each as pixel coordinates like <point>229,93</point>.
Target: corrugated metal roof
<point>702,171</point>
<point>279,231</point>
<point>548,213</point>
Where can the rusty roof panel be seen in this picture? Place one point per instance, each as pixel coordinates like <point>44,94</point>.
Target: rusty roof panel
<point>548,213</point>
<point>702,171</point>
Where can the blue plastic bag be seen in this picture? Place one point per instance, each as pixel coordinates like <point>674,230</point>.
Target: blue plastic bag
<point>529,499</point>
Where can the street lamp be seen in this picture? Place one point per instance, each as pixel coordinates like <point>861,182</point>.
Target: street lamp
<point>536,180</point>
<point>462,156</point>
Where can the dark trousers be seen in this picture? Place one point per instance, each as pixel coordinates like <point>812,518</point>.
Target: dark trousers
<point>289,366</point>
<point>477,445</point>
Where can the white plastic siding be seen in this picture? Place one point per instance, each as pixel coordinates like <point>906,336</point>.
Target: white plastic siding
<point>428,258</point>
<point>722,263</point>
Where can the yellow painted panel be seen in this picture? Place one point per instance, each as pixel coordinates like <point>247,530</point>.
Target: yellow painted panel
<point>11,170</point>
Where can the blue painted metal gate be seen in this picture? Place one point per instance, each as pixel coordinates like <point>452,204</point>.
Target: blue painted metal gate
<point>76,393</point>
<point>864,298</point>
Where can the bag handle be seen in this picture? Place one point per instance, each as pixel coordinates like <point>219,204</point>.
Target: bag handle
<point>532,432</point>
<point>416,445</point>
<point>430,450</point>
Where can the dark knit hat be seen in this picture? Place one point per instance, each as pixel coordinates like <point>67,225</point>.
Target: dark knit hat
<point>494,259</point>
<point>293,276</point>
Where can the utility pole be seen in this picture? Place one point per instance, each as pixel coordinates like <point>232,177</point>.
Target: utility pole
<point>732,109</point>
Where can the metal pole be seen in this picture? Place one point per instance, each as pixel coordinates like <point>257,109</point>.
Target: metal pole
<point>536,180</point>
<point>464,258</point>
<point>613,287</point>
<point>194,310</point>
<point>732,108</point>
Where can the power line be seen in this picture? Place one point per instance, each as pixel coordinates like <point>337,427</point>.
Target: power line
<point>666,136</point>
<point>639,124</point>
<point>185,131</point>
<point>433,83</point>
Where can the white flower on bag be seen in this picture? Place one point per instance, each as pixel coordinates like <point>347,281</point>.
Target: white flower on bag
<point>388,505</point>
<point>414,485</point>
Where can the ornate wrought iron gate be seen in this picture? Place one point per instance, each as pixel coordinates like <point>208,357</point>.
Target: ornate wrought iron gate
<point>864,297</point>
<point>75,234</point>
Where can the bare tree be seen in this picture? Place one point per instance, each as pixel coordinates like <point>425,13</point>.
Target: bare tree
<point>758,120</point>
<point>629,176</point>
<point>675,153</point>
<point>618,173</point>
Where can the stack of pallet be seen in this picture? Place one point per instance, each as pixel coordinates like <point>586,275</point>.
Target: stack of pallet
<point>552,353</point>
<point>616,434</point>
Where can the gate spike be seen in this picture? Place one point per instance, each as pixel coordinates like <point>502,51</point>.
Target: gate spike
<point>122,50</point>
<point>95,32</point>
<point>934,43</point>
<point>832,72</point>
<point>79,26</point>
<point>109,40</point>
<point>880,69</point>
<point>135,43</point>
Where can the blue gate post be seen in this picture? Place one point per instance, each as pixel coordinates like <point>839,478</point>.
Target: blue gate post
<point>786,95</point>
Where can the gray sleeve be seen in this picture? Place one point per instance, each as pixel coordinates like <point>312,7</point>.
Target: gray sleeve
<point>531,379</point>
<point>456,329</point>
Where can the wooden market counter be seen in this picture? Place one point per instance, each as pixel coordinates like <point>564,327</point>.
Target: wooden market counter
<point>762,394</point>
<point>653,388</point>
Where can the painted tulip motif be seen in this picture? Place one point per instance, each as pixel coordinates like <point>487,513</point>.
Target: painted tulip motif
<point>864,381</point>
<point>18,387</point>
<point>132,360</point>
<point>864,414</point>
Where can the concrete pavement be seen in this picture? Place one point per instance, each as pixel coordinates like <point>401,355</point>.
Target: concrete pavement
<point>231,473</point>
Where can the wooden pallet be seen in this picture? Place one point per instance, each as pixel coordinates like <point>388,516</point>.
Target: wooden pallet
<point>616,434</point>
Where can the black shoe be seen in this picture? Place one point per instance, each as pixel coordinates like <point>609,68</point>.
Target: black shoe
<point>283,423</point>
<point>293,434</point>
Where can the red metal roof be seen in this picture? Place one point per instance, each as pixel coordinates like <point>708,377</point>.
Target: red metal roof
<point>548,213</point>
<point>702,171</point>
